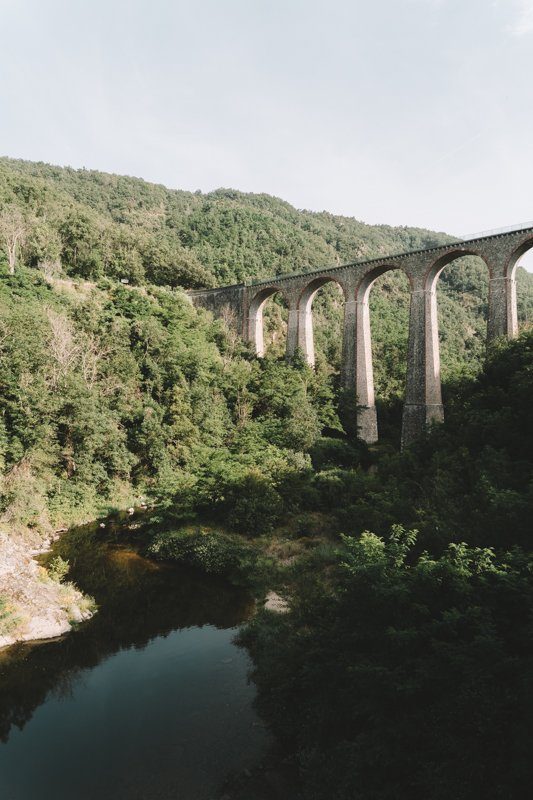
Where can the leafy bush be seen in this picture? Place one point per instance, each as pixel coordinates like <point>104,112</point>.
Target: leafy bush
<point>8,617</point>
<point>210,551</point>
<point>58,568</point>
<point>119,391</point>
<point>335,452</point>
<point>253,505</point>
<point>404,677</point>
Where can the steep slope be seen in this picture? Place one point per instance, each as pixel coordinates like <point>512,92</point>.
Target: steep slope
<point>111,395</point>
<point>110,392</point>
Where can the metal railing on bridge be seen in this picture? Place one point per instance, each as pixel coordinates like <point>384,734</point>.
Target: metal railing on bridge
<point>522,226</point>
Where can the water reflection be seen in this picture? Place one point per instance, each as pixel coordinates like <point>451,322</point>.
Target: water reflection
<point>149,699</point>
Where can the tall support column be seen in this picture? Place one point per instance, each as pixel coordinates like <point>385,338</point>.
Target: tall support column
<point>503,318</point>
<point>348,345</point>
<point>367,422</point>
<point>423,399</point>
<point>255,330</point>
<point>292,328</point>
<point>305,329</point>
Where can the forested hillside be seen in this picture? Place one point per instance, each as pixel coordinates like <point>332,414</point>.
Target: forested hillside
<point>89,224</point>
<point>404,669</point>
<point>403,665</point>
<point>106,387</point>
<point>101,224</point>
<point>108,393</point>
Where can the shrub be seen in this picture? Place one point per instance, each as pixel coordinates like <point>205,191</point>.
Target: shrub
<point>253,505</point>
<point>8,618</point>
<point>58,568</point>
<point>404,676</point>
<point>212,552</point>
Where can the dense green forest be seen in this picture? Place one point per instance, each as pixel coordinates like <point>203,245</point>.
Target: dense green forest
<point>404,666</point>
<point>90,225</point>
<point>109,390</point>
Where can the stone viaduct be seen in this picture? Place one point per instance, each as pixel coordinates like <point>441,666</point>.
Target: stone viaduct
<point>243,304</point>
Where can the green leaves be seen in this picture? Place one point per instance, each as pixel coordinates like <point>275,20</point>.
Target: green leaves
<point>58,568</point>
<point>401,669</point>
<point>108,386</point>
<point>209,550</point>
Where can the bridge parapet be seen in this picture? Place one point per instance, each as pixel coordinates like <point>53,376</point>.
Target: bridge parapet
<point>226,302</point>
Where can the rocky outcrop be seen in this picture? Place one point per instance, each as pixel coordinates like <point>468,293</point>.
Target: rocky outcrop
<point>274,602</point>
<point>33,605</point>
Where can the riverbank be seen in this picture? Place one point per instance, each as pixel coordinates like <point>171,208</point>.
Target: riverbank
<point>266,565</point>
<point>37,604</point>
<point>108,556</point>
<point>155,678</point>
<point>34,604</point>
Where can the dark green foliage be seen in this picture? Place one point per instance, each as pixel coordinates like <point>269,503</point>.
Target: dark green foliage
<point>223,236</point>
<point>252,504</point>
<point>82,245</point>
<point>97,224</point>
<point>404,668</point>
<point>211,551</point>
<point>109,390</point>
<point>330,452</point>
<point>167,264</point>
<point>471,479</point>
<point>476,473</point>
<point>407,677</point>
<point>217,552</point>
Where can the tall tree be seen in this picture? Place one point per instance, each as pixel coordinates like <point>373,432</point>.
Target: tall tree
<point>13,232</point>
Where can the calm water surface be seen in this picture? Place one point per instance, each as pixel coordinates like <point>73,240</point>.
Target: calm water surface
<point>148,700</point>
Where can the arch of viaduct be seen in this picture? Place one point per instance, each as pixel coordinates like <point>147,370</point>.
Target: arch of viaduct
<point>243,304</point>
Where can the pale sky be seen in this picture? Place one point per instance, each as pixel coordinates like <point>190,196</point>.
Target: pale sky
<point>406,112</point>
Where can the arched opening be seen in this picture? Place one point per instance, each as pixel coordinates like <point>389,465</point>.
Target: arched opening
<point>521,269</point>
<point>461,283</point>
<point>383,299</point>
<point>320,322</point>
<point>267,321</point>
<point>476,304</point>
<point>389,302</point>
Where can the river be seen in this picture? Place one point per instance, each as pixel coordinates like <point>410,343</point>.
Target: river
<point>149,700</point>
